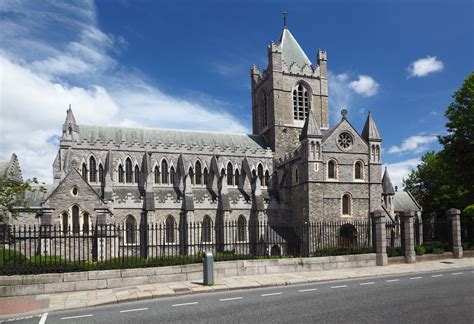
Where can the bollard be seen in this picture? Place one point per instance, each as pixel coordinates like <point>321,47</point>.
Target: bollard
<point>208,268</point>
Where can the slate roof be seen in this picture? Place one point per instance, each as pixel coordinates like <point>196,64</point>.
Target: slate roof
<point>291,50</point>
<point>171,136</point>
<point>404,200</point>
<point>35,198</point>
<point>370,131</point>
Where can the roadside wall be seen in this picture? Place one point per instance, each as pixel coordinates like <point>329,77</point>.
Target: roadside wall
<point>91,280</point>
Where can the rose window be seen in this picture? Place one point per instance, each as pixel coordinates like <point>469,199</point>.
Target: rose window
<point>344,141</point>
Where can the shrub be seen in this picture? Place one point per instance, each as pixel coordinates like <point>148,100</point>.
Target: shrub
<point>10,258</point>
<point>394,251</point>
<point>420,250</point>
<point>438,250</point>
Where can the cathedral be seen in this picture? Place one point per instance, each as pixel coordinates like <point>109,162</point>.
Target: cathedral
<point>293,168</point>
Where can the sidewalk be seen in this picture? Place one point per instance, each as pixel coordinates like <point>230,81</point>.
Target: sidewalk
<point>14,306</point>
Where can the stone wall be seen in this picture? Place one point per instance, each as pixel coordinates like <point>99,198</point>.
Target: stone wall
<point>92,280</point>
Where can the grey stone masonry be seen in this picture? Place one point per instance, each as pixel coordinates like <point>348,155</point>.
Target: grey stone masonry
<point>408,236</point>
<point>380,241</point>
<point>454,218</point>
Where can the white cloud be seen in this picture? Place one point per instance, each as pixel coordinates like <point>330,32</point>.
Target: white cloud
<point>415,144</point>
<point>400,170</point>
<point>423,67</point>
<point>40,77</point>
<point>365,86</point>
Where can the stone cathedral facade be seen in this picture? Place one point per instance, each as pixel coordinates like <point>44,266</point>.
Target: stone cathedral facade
<point>294,167</point>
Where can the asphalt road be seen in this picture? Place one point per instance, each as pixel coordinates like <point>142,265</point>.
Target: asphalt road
<point>434,297</point>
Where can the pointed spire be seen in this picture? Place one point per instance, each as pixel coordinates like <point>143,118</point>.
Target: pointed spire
<point>370,132</point>
<point>285,14</point>
<point>108,191</point>
<point>70,128</point>
<point>387,187</point>
<point>311,127</point>
<point>291,50</point>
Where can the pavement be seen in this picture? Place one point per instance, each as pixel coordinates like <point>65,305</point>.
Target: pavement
<point>46,303</point>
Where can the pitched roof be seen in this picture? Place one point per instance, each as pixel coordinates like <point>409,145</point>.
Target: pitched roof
<point>370,131</point>
<point>311,127</point>
<point>404,201</point>
<point>291,50</point>
<point>11,169</point>
<point>387,187</point>
<point>171,136</point>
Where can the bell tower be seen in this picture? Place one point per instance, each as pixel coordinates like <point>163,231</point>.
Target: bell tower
<point>285,92</point>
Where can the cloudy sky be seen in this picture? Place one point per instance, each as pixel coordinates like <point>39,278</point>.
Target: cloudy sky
<point>185,64</point>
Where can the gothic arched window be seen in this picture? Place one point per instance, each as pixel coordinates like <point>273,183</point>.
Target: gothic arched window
<point>85,222</point>
<point>300,102</point>
<point>172,175</point>
<point>164,172</point>
<point>120,173</point>
<point>206,176</point>
<point>264,109</point>
<point>358,171</point>
<point>92,170</point>
<point>206,230</point>
<point>137,174</point>
<point>241,229</point>
<point>65,218</point>
<point>230,174</point>
<point>128,171</point>
<point>346,204</point>
<point>296,177</point>
<point>84,171</point>
<point>170,234</point>
<point>130,230</point>
<point>237,178</point>
<point>332,170</point>
<point>191,174</point>
<point>260,173</point>
<point>198,174</point>
<point>157,174</point>
<point>75,219</point>
<point>267,178</point>
<point>101,173</point>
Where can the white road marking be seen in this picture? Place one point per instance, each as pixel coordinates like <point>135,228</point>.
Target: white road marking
<point>43,318</point>
<point>414,278</point>
<point>435,276</point>
<point>342,286</point>
<point>133,310</point>
<point>184,304</point>
<point>73,317</point>
<point>456,273</point>
<point>233,298</point>
<point>311,289</point>
<point>392,280</point>
<point>366,283</point>
<point>272,294</point>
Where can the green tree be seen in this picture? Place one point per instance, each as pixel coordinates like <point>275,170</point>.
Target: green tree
<point>14,194</point>
<point>445,179</point>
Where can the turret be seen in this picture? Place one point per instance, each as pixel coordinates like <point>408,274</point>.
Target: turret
<point>70,128</point>
<point>310,138</point>
<point>372,136</point>
<point>387,193</point>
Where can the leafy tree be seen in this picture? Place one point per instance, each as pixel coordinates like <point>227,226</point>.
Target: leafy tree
<point>13,194</point>
<point>445,179</point>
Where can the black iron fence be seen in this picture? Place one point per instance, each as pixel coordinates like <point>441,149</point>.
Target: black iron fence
<point>467,233</point>
<point>43,249</point>
<point>394,239</point>
<point>437,235</point>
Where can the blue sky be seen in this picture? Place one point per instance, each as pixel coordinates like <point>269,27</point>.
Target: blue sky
<point>185,64</point>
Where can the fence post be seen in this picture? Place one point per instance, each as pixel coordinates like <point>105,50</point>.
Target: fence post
<point>45,232</point>
<point>380,239</point>
<point>408,235</point>
<point>454,218</point>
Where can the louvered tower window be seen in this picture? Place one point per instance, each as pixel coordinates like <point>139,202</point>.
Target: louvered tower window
<point>300,102</point>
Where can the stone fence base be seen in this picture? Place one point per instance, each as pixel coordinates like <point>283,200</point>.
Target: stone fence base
<point>21,285</point>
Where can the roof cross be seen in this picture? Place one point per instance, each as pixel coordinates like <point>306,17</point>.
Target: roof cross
<point>285,13</point>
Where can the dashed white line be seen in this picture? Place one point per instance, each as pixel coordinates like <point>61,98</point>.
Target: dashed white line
<point>133,310</point>
<point>184,304</point>
<point>456,273</point>
<point>233,298</point>
<point>305,290</point>
<point>79,316</point>
<point>43,318</point>
<point>392,280</point>
<point>414,278</point>
<point>438,275</point>
<point>342,286</point>
<point>366,283</point>
<point>272,294</point>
